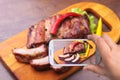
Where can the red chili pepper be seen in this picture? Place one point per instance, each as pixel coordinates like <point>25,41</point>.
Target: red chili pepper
<point>59,20</point>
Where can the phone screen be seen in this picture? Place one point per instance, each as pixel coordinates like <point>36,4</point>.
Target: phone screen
<point>71,52</point>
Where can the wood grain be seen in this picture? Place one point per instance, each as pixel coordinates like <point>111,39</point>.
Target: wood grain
<point>25,72</point>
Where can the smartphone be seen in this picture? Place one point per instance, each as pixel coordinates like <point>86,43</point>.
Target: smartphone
<point>71,52</point>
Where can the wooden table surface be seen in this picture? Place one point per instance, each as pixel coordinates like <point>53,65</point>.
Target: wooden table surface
<point>17,15</point>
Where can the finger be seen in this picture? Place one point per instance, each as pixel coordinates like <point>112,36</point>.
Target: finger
<point>109,41</point>
<point>93,37</point>
<point>101,45</point>
<point>96,69</point>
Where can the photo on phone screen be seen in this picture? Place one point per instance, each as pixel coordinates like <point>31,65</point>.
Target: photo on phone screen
<point>70,52</point>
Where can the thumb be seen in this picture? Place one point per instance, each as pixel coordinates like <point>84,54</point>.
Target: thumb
<point>95,68</point>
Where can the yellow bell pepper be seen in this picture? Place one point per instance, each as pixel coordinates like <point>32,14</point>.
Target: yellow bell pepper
<point>87,50</point>
<point>84,55</point>
<point>99,28</point>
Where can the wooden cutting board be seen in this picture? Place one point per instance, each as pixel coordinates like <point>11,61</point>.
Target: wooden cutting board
<point>25,72</point>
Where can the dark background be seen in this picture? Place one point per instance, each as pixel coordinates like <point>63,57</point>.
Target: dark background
<point>17,15</point>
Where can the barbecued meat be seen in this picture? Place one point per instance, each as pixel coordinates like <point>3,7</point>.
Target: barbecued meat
<point>39,35</point>
<point>40,64</point>
<point>48,24</point>
<point>60,69</point>
<point>74,47</point>
<point>71,27</point>
<point>25,55</point>
<point>43,64</point>
<point>71,52</point>
<point>74,27</point>
<point>36,35</point>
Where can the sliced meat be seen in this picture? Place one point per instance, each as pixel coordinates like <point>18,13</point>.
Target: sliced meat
<point>40,64</point>
<point>36,35</point>
<point>60,69</point>
<point>43,64</point>
<point>74,47</point>
<point>74,27</point>
<point>68,60</point>
<point>39,35</point>
<point>25,55</point>
<point>63,56</point>
<point>74,59</point>
<point>77,59</point>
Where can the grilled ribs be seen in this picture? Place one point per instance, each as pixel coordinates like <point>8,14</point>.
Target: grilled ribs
<point>39,37</point>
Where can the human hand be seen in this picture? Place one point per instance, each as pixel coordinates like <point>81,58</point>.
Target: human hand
<point>110,53</point>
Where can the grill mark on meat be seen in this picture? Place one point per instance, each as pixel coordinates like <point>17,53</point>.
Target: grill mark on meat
<point>36,35</point>
<point>25,55</point>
